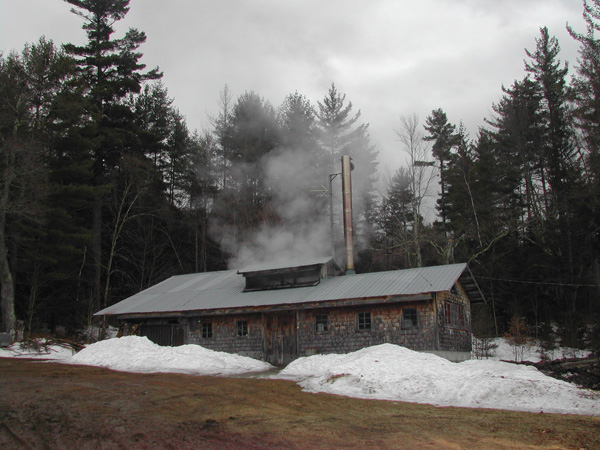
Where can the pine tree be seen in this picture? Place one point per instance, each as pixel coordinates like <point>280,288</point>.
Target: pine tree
<point>586,86</point>
<point>443,135</point>
<point>340,134</point>
<point>559,154</point>
<point>395,240</point>
<point>111,70</point>
<point>300,148</point>
<point>245,203</point>
<point>33,88</point>
<point>336,125</point>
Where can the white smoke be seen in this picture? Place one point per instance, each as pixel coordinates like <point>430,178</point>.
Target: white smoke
<point>300,199</point>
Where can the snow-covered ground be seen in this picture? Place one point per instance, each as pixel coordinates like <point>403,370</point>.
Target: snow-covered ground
<point>387,372</point>
<point>501,350</point>
<point>49,352</point>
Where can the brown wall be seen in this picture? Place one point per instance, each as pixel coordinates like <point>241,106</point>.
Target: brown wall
<point>343,335</point>
<point>300,337</point>
<point>225,338</point>
<point>454,336</point>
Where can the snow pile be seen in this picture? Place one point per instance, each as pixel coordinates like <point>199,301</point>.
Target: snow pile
<point>502,350</point>
<point>391,372</point>
<point>139,354</point>
<point>42,350</point>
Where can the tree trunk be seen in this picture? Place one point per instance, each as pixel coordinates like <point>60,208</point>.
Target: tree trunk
<point>7,284</point>
<point>97,250</point>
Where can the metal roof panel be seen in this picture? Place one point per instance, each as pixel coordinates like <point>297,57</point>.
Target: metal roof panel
<point>225,289</point>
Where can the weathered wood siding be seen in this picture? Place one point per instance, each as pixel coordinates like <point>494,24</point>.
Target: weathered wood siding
<point>454,335</point>
<point>443,323</point>
<point>225,336</point>
<point>343,335</point>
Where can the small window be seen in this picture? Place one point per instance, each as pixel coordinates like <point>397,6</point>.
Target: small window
<point>364,321</point>
<point>321,323</point>
<point>409,318</point>
<point>207,331</point>
<point>242,327</point>
<point>454,314</point>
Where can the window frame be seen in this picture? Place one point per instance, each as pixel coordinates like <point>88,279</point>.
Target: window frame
<point>454,314</point>
<point>320,322</point>
<point>410,318</point>
<point>241,328</point>
<point>206,329</point>
<point>364,321</point>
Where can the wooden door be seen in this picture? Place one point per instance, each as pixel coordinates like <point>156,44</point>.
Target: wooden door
<point>169,335</point>
<point>280,339</point>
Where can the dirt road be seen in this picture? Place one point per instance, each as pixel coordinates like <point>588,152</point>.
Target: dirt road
<point>55,406</point>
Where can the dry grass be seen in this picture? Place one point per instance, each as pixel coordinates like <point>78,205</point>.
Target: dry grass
<point>59,406</point>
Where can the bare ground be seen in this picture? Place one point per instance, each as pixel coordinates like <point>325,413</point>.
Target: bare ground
<point>55,406</point>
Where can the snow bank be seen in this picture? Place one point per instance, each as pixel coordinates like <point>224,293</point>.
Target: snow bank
<point>139,354</point>
<point>391,372</point>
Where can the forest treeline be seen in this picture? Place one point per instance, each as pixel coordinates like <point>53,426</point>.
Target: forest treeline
<point>104,190</point>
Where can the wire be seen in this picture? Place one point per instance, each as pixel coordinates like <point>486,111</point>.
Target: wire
<point>539,282</point>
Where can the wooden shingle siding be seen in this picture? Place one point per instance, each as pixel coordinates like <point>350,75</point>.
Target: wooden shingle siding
<point>424,309</point>
<point>454,335</point>
<point>225,336</point>
<point>343,335</point>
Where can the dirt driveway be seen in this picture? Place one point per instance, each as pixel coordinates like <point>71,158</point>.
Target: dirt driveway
<point>55,406</point>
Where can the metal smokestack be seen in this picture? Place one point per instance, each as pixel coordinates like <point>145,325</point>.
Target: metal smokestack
<point>347,205</point>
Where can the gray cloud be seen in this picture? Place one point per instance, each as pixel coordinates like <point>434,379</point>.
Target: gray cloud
<point>391,57</point>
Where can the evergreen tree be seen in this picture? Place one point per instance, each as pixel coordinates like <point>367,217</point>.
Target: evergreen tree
<point>336,125</point>
<point>111,70</point>
<point>443,135</point>
<point>30,84</point>
<point>395,239</point>
<point>339,135</point>
<point>244,204</point>
<point>518,139</point>
<point>300,147</point>
<point>559,153</point>
<point>586,86</point>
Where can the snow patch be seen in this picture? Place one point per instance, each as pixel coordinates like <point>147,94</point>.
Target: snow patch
<point>42,350</point>
<point>502,350</point>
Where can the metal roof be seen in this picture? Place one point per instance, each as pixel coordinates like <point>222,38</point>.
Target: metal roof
<point>224,289</point>
<point>284,264</point>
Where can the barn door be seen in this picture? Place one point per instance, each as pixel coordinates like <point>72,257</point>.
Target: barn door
<point>169,335</point>
<point>280,339</point>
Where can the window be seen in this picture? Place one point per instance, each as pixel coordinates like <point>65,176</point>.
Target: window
<point>321,323</point>
<point>364,321</point>
<point>454,314</point>
<point>409,318</point>
<point>207,331</point>
<point>448,313</point>
<point>242,327</point>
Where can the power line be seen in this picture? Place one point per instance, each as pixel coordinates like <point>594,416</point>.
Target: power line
<point>539,282</point>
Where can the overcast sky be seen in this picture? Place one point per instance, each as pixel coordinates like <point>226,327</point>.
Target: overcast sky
<point>390,57</point>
